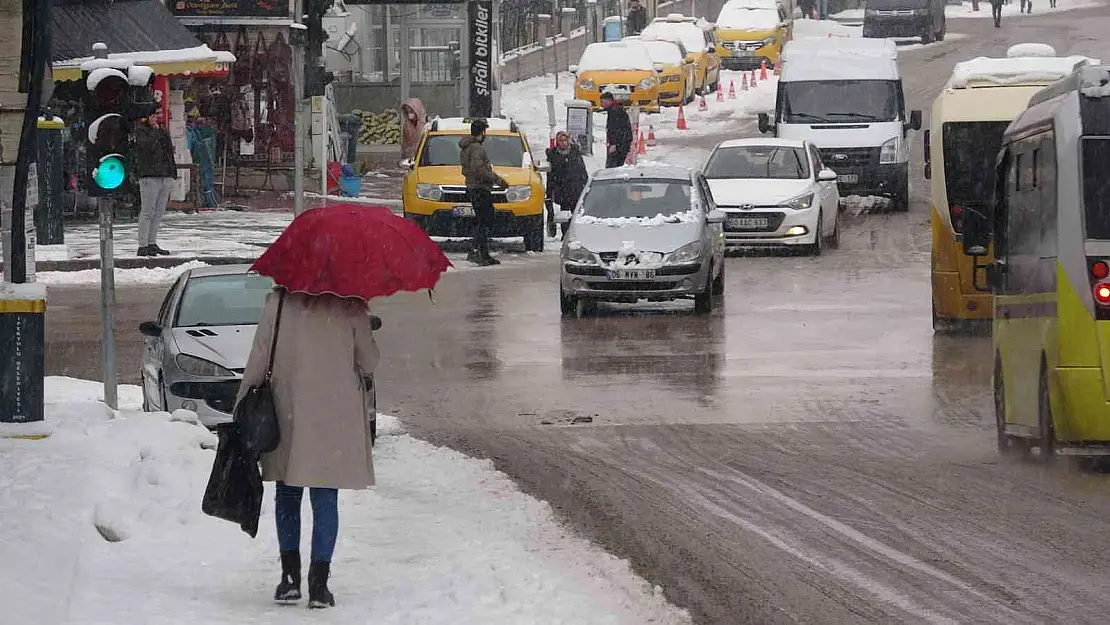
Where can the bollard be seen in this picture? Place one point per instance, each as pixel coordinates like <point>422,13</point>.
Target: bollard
<point>23,367</point>
<point>48,213</point>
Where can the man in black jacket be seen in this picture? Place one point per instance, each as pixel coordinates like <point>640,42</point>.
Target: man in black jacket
<point>480,181</point>
<point>567,178</point>
<point>618,131</point>
<point>157,171</point>
<point>637,18</point>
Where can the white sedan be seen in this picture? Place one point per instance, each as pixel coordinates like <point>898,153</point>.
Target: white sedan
<point>774,192</point>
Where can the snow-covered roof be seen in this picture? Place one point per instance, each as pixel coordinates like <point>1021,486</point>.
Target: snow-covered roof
<point>740,17</point>
<point>185,55</point>
<point>1023,70</point>
<point>840,59</point>
<point>616,55</point>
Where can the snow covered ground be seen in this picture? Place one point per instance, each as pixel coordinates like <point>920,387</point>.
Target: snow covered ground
<point>443,538</point>
<point>809,29</point>
<point>1040,7</point>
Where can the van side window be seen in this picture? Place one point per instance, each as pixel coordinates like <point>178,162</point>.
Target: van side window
<point>1002,197</point>
<point>1046,181</point>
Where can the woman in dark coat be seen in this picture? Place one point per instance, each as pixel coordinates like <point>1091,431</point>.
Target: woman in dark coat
<point>567,178</point>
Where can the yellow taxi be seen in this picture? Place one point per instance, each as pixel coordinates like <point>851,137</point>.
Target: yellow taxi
<point>753,32</point>
<point>434,191</point>
<point>698,37</point>
<point>623,67</point>
<point>676,80</point>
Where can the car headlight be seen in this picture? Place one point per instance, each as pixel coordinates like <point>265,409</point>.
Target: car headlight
<point>688,253</point>
<point>200,367</point>
<point>518,193</point>
<point>647,83</point>
<point>573,252</point>
<point>671,78</point>
<point>586,84</point>
<point>870,13</point>
<point>801,202</point>
<point>768,41</point>
<point>889,152</point>
<point>429,192</point>
<point>921,11</point>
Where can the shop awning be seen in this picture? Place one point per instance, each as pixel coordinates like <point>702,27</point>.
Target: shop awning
<point>143,31</point>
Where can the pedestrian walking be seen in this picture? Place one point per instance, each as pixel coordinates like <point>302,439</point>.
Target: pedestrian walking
<point>637,18</point>
<point>480,181</point>
<point>618,131</point>
<point>996,12</point>
<point>1026,6</point>
<point>318,349</point>
<point>157,170</point>
<point>412,126</point>
<point>567,178</point>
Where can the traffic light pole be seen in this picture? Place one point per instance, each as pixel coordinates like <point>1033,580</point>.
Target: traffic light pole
<point>298,41</point>
<point>108,302</point>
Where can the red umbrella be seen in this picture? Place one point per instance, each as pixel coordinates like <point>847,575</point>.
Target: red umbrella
<point>351,250</point>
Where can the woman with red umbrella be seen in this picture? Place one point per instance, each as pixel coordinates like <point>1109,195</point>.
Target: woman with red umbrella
<point>315,342</point>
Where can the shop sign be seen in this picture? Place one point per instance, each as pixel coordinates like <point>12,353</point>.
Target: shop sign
<point>230,8</point>
<point>480,17</point>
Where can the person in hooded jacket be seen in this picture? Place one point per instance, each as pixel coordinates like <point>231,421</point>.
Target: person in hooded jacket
<point>412,126</point>
<point>567,178</point>
<point>618,131</point>
<point>480,180</point>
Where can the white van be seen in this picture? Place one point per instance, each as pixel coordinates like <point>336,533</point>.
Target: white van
<point>845,95</point>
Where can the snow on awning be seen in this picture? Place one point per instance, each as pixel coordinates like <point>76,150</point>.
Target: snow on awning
<point>196,61</point>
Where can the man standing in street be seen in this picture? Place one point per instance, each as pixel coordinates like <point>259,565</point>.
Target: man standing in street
<point>618,131</point>
<point>480,180</point>
<point>637,18</point>
<point>157,171</point>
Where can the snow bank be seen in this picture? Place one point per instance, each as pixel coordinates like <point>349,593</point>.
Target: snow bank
<point>155,275</point>
<point>1013,9</point>
<point>104,526</point>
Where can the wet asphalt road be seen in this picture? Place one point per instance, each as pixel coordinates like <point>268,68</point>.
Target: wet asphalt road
<point>808,453</point>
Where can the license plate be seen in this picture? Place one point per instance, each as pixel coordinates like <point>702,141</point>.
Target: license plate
<point>462,210</point>
<point>622,96</point>
<point>748,223</point>
<point>848,178</point>
<point>631,274</point>
<point>741,53</point>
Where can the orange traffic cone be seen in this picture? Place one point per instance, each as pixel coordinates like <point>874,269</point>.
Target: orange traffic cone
<point>732,88</point>
<point>763,70</point>
<point>743,85</point>
<point>681,118</point>
<point>720,94</point>
<point>651,136</point>
<point>641,147</point>
<point>702,104</point>
<point>752,79</point>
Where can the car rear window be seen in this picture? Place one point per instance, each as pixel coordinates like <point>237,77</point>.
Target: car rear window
<point>444,150</point>
<point>232,300</point>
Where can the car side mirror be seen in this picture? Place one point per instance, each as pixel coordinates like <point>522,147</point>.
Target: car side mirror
<point>563,217</point>
<point>976,232</point>
<point>690,58</point>
<point>150,329</point>
<point>928,158</point>
<point>716,217</point>
<point>826,175</point>
<point>375,323</point>
<point>765,123</point>
<point>573,69</point>
<point>915,120</point>
<point>658,67</point>
<point>407,163</point>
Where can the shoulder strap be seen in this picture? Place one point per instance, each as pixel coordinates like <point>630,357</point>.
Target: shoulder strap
<point>273,341</point>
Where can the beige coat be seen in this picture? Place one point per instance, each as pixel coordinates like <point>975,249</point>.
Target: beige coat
<point>324,345</point>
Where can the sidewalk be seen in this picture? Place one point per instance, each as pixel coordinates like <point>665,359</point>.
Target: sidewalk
<point>105,526</point>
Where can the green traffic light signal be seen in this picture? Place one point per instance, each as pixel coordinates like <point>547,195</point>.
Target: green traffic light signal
<point>110,172</point>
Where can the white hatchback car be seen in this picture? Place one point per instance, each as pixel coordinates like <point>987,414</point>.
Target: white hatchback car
<point>774,192</point>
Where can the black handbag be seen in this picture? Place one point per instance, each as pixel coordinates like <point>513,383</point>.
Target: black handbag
<point>234,491</point>
<point>256,414</point>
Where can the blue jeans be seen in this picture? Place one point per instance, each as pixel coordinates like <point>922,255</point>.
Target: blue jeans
<point>325,519</point>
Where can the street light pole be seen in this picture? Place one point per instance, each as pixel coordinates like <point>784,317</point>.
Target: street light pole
<point>297,38</point>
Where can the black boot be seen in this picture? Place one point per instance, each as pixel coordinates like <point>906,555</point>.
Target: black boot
<point>147,250</point>
<point>318,594</point>
<point>289,590</point>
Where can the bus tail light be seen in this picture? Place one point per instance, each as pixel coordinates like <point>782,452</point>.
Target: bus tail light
<point>956,212</point>
<point>1099,270</point>
<point>1102,293</point>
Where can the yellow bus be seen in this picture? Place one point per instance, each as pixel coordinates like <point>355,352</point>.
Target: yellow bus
<point>1049,227</point>
<point>981,98</point>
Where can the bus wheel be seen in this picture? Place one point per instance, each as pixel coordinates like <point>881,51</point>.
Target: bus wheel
<point>1047,440</point>
<point>1005,441</point>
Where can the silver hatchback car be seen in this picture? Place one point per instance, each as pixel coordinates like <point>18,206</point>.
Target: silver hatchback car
<point>196,350</point>
<point>647,232</point>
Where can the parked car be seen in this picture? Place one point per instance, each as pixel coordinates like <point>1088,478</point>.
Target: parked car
<point>648,232</point>
<point>774,192</point>
<point>700,40</point>
<point>905,18</point>
<point>624,67</point>
<point>676,79</point>
<point>753,32</point>
<point>197,348</point>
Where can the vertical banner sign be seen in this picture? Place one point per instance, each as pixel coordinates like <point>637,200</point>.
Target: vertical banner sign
<point>162,97</point>
<point>480,20</point>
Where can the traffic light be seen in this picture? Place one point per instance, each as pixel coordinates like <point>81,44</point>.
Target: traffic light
<point>115,96</point>
<point>316,78</point>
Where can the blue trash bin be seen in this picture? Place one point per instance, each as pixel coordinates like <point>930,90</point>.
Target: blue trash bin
<point>350,186</point>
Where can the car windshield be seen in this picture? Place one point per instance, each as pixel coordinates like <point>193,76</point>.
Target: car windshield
<point>639,198</point>
<point>664,52</point>
<point>970,150</point>
<point>232,300</point>
<point>758,161</point>
<point>748,18</point>
<point>503,150</point>
<point>616,55</point>
<point>840,101</point>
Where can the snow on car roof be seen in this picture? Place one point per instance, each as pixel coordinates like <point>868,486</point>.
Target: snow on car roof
<point>218,270</point>
<point>1094,82</point>
<point>615,55</point>
<point>644,170</point>
<point>666,52</point>
<point>690,34</point>
<point>1030,70</point>
<point>757,141</point>
<point>839,59</point>
<point>742,16</point>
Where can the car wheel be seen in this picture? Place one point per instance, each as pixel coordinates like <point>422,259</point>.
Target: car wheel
<point>833,241</point>
<point>1006,444</point>
<point>900,201</point>
<point>719,282</point>
<point>943,29</point>
<point>927,36</point>
<point>1047,429</point>
<point>533,239</point>
<point>818,245</point>
<point>568,304</point>
<point>703,302</point>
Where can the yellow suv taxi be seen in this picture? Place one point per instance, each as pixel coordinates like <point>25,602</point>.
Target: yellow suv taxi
<point>753,32</point>
<point>434,191</point>
<point>700,40</point>
<point>622,67</point>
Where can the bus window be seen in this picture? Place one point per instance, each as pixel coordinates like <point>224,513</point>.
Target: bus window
<point>1046,180</point>
<point>1096,187</point>
<point>970,149</point>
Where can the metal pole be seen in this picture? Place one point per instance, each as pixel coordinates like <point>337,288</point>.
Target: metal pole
<point>108,302</point>
<point>298,114</point>
<point>406,51</point>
